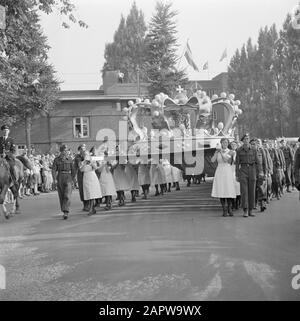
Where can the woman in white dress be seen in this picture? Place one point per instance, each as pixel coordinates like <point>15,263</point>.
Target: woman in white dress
<point>237,201</point>
<point>91,185</point>
<point>122,182</point>
<point>144,178</point>
<point>132,177</point>
<point>168,173</point>
<point>224,183</point>
<point>107,183</point>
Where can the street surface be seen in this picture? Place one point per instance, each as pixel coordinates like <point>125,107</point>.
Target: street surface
<point>171,247</point>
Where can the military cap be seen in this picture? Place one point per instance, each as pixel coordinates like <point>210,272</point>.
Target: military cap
<point>63,148</point>
<point>80,146</point>
<point>246,135</point>
<point>4,127</point>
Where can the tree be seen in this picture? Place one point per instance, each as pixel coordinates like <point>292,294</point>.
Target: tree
<point>161,48</point>
<point>289,49</point>
<point>28,86</point>
<point>127,51</point>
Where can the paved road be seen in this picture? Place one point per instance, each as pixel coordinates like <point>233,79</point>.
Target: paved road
<point>174,247</point>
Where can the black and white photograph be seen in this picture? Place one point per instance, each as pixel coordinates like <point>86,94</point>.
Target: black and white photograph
<point>149,152</point>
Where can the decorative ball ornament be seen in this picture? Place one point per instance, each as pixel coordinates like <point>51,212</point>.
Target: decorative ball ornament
<point>155,103</point>
<point>220,126</point>
<point>214,96</point>
<point>239,111</point>
<point>237,102</point>
<point>231,96</point>
<point>156,113</point>
<point>223,95</point>
<point>130,103</point>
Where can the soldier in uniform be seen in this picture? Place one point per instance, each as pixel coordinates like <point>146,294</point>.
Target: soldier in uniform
<point>297,168</point>
<point>78,159</point>
<point>63,174</point>
<point>248,168</point>
<point>6,144</point>
<point>289,163</point>
<point>262,181</point>
<point>269,170</point>
<point>282,167</point>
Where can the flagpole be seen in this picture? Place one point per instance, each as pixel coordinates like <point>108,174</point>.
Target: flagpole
<point>184,49</point>
<point>208,71</point>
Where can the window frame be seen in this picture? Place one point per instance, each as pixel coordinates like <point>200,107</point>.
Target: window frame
<point>82,124</point>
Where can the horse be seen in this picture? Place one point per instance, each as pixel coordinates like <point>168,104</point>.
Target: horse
<point>19,162</point>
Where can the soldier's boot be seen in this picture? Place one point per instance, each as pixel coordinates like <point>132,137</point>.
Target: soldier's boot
<point>156,190</point>
<point>85,206</point>
<point>66,214</point>
<point>250,213</point>
<point>245,212</point>
<point>174,185</point>
<point>133,198</point>
<point>223,203</point>
<point>229,206</point>
<point>177,186</point>
<point>188,183</point>
<point>288,189</point>
<point>169,189</point>
<point>119,198</point>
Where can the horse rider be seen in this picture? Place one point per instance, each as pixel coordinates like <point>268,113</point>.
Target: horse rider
<point>7,145</point>
<point>63,175</point>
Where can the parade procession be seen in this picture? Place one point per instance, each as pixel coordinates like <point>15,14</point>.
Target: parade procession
<point>130,173</point>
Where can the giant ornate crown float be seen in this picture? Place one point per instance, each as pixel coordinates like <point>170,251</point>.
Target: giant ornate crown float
<point>183,117</point>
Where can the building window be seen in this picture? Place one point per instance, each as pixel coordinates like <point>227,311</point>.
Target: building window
<point>21,149</point>
<point>81,127</point>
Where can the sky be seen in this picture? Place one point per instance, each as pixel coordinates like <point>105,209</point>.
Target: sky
<point>210,26</point>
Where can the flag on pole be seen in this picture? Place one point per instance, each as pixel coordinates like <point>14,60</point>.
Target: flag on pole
<point>205,66</point>
<point>224,55</point>
<point>189,57</point>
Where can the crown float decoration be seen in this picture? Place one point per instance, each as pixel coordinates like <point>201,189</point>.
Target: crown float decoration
<point>183,116</point>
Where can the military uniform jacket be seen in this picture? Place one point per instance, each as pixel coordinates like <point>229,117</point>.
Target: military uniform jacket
<point>63,165</point>
<point>5,144</point>
<point>78,158</point>
<point>269,162</point>
<point>281,159</point>
<point>297,165</point>
<point>261,154</point>
<point>288,155</point>
<point>275,158</point>
<point>248,163</point>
